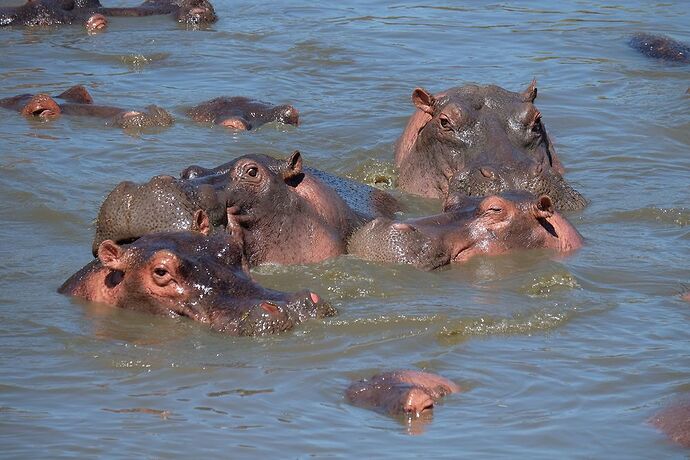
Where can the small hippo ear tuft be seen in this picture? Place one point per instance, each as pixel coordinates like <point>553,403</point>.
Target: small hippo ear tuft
<point>423,100</point>
<point>201,222</point>
<point>530,93</point>
<point>111,255</point>
<point>544,207</point>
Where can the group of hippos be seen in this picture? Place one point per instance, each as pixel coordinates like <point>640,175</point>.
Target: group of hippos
<point>184,246</point>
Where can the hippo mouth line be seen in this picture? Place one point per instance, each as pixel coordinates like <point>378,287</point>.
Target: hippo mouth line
<point>43,113</point>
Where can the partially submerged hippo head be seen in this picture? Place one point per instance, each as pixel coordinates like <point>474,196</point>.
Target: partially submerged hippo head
<point>400,392</point>
<point>468,227</point>
<point>78,102</point>
<point>192,275</point>
<point>471,127</point>
<point>54,12</point>
<point>242,114</point>
<point>195,12</point>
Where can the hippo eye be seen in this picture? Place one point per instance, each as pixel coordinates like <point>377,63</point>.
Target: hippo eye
<point>445,122</point>
<point>253,171</point>
<point>160,271</point>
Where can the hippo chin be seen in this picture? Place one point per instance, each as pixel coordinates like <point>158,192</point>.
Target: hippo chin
<point>242,114</point>
<point>470,128</point>
<point>192,275</point>
<point>289,215</point>
<point>403,392</point>
<point>674,422</point>
<point>468,227</point>
<point>92,14</point>
<point>77,101</point>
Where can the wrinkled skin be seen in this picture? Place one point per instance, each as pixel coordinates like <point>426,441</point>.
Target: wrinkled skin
<point>661,47</point>
<point>674,422</point>
<point>192,275</point>
<point>288,215</point>
<point>77,101</point>
<point>468,227</point>
<point>242,114</point>
<point>92,14</point>
<point>400,392</point>
<point>464,129</point>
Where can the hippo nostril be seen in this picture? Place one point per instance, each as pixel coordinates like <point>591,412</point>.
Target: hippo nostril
<point>270,308</point>
<point>487,172</point>
<point>314,297</point>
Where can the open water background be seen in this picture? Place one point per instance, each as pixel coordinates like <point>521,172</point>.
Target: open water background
<point>559,358</point>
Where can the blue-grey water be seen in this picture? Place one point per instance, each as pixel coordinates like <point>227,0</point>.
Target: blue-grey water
<point>565,357</point>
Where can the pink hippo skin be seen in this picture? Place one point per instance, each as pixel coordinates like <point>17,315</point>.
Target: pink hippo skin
<point>480,129</point>
<point>400,392</point>
<point>468,227</point>
<point>674,422</point>
<point>78,102</point>
<point>204,278</point>
<point>242,114</point>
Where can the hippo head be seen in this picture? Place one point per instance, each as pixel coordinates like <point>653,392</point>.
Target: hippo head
<point>499,224</point>
<point>41,106</point>
<point>153,116</point>
<point>533,177</point>
<point>194,12</point>
<point>192,275</point>
<point>470,127</point>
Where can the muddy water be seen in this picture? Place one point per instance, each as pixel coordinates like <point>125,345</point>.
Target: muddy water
<point>558,357</point>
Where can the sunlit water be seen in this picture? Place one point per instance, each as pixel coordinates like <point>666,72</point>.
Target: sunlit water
<point>558,358</point>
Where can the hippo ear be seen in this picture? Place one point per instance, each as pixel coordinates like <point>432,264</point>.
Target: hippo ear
<point>78,94</point>
<point>543,207</point>
<point>530,94</point>
<point>201,222</point>
<point>111,255</point>
<point>293,166</point>
<point>423,100</point>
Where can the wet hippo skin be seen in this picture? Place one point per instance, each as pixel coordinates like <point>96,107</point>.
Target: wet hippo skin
<point>242,114</point>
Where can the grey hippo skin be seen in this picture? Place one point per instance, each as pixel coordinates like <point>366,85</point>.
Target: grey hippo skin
<point>189,274</point>
<point>660,47</point>
<point>480,140</point>
<point>242,114</point>
<point>92,14</point>
<point>469,226</point>
<point>289,216</point>
<point>77,101</point>
<point>674,422</point>
<point>400,392</point>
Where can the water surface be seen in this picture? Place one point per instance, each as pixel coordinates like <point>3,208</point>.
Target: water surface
<point>559,358</point>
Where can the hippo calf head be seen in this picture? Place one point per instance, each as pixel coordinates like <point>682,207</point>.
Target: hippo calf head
<point>192,275</point>
<point>196,12</point>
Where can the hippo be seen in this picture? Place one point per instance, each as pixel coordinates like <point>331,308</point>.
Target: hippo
<point>289,216</point>
<point>93,15</point>
<point>242,114</point>
<point>77,101</point>
<point>469,226</point>
<point>660,47</point>
<point>402,392</point>
<point>460,132</point>
<point>674,421</point>
<point>190,274</point>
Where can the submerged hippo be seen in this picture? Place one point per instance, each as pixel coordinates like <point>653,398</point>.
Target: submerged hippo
<point>93,15</point>
<point>193,275</point>
<point>77,101</point>
<point>660,47</point>
<point>468,227</point>
<point>674,421</point>
<point>400,392</point>
<point>470,130</point>
<point>242,114</point>
<point>289,216</point>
